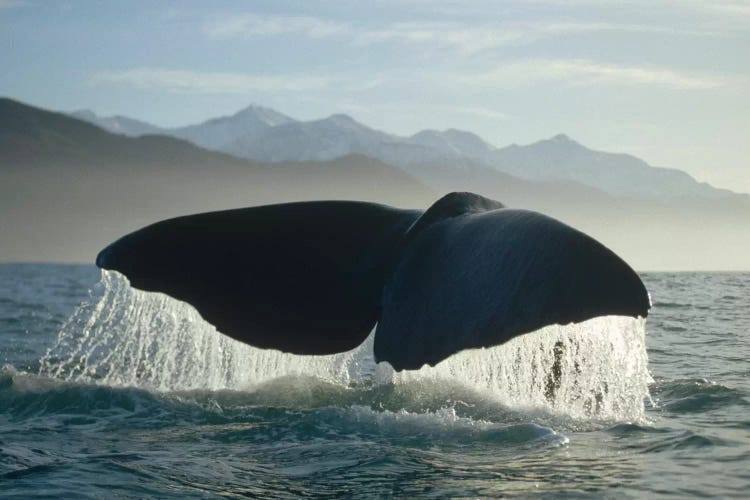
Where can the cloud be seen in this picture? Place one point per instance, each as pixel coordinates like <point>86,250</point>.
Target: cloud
<point>467,38</point>
<point>585,72</point>
<point>475,38</point>
<point>733,8</point>
<point>509,74</point>
<point>480,111</point>
<point>441,34</point>
<point>696,7</point>
<point>254,25</point>
<point>208,82</point>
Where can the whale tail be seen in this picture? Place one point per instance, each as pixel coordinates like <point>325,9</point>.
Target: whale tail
<point>315,277</point>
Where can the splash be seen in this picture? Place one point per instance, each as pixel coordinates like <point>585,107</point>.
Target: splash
<point>126,337</point>
<point>595,368</point>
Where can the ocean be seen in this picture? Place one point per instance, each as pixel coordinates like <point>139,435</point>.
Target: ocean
<point>110,392</point>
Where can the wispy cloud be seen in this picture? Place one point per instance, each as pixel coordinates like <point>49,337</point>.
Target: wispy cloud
<point>471,39</point>
<point>208,82</point>
<point>509,74</point>
<point>255,25</point>
<point>467,38</point>
<point>480,111</point>
<point>585,72</point>
<point>732,8</point>
<point>694,7</point>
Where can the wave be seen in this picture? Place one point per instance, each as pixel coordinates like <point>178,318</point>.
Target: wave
<point>231,416</point>
<point>123,337</point>
<point>27,395</point>
<point>671,305</point>
<point>686,440</point>
<point>696,396</point>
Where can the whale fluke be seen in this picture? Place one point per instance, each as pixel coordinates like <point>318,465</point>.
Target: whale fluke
<point>315,277</point>
<point>300,277</point>
<point>481,278</point>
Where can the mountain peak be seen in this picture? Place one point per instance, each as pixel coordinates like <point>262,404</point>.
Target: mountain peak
<point>265,115</point>
<point>562,139</point>
<point>252,108</point>
<point>85,114</point>
<point>560,142</point>
<point>342,118</point>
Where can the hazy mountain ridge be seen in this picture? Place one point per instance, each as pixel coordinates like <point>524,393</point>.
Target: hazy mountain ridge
<point>220,133</point>
<point>215,133</point>
<point>118,124</point>
<point>562,158</point>
<point>329,138</point>
<point>457,143</point>
<point>35,137</point>
<point>67,187</point>
<point>262,134</point>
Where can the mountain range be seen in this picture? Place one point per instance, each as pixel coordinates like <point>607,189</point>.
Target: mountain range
<point>262,134</point>
<point>217,133</point>
<point>68,187</point>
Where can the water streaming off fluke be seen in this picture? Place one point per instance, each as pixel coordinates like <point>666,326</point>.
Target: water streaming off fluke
<point>125,337</point>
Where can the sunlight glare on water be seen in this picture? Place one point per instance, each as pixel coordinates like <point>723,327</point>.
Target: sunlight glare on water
<point>126,337</point>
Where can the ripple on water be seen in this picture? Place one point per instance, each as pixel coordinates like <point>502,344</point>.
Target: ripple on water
<point>139,418</point>
<point>686,440</point>
<point>696,396</point>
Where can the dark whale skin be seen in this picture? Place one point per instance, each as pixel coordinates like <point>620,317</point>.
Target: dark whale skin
<point>316,277</point>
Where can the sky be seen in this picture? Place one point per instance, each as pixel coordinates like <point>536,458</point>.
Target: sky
<point>665,80</point>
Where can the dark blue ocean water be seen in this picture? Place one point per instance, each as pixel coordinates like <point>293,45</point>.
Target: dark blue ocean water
<point>132,395</point>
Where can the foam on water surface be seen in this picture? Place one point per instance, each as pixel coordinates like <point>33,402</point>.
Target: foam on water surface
<point>126,337</point>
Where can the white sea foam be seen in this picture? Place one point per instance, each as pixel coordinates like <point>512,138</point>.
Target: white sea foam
<point>125,337</point>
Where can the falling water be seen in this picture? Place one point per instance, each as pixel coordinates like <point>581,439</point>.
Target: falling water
<point>126,337</point>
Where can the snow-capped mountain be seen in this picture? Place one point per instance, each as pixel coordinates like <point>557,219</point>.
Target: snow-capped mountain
<point>330,138</point>
<point>216,133</point>
<point>557,159</point>
<point>220,133</point>
<point>561,158</point>
<point>263,134</point>
<point>457,143</point>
